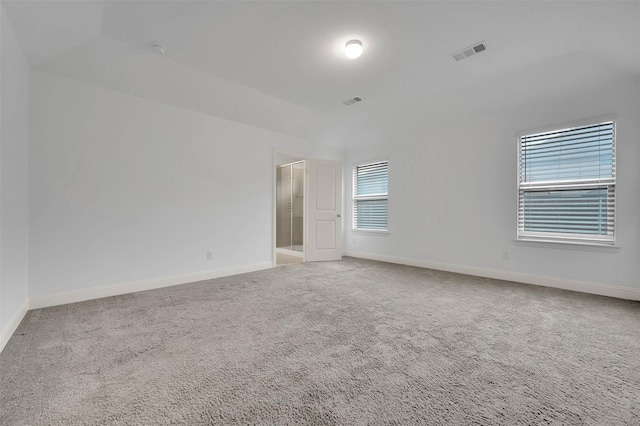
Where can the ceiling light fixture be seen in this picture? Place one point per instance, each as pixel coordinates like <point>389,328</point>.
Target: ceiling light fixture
<point>160,49</point>
<point>353,49</point>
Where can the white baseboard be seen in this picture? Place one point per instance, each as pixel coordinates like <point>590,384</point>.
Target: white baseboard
<point>619,292</point>
<point>133,286</point>
<point>10,327</point>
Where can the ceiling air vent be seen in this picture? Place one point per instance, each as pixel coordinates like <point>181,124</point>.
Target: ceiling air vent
<point>352,101</point>
<point>468,51</point>
<point>479,48</point>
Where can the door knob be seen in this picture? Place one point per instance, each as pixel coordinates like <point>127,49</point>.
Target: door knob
<point>339,215</point>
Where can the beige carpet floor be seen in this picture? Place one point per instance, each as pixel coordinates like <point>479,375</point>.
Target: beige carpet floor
<point>351,342</point>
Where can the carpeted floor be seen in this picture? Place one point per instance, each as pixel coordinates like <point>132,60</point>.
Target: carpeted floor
<point>351,342</point>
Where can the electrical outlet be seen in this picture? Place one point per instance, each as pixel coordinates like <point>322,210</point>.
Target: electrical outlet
<point>505,255</point>
<point>355,241</point>
<point>209,254</point>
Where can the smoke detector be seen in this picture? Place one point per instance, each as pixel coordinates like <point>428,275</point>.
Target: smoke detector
<point>469,51</point>
<point>352,101</point>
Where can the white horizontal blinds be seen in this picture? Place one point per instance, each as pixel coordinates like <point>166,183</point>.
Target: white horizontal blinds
<point>372,180</point>
<point>370,196</point>
<point>578,211</point>
<point>370,214</point>
<point>571,154</point>
<point>567,183</point>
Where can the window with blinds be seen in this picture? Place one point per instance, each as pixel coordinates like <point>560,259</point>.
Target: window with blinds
<point>370,196</point>
<point>566,185</point>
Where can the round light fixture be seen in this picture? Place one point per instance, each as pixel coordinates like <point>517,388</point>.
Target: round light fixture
<point>159,49</point>
<point>353,49</point>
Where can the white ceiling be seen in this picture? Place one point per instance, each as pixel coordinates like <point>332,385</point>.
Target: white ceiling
<point>48,28</point>
<point>292,51</point>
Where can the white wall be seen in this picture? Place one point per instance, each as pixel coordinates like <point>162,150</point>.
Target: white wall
<point>453,190</point>
<point>13,184</point>
<point>124,188</point>
<point>123,67</point>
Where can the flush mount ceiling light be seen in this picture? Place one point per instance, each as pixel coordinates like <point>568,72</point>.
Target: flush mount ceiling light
<point>353,49</point>
<point>159,49</point>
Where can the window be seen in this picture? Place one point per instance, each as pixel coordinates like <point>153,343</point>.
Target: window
<point>370,196</point>
<point>566,185</point>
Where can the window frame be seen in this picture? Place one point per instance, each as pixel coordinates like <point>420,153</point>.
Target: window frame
<point>355,198</point>
<point>568,239</point>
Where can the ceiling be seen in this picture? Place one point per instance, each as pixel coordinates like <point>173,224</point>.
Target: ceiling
<point>290,53</point>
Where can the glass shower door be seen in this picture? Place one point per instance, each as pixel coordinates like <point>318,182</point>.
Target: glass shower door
<point>290,206</point>
<point>297,201</point>
<point>283,207</point>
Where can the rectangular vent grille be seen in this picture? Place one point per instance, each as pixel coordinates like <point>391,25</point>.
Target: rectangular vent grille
<point>352,101</point>
<point>468,51</point>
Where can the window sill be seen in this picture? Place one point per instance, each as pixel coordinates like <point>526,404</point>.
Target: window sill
<point>370,231</point>
<point>568,245</point>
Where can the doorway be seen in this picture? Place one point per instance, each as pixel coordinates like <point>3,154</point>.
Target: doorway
<point>290,209</point>
<point>307,209</point>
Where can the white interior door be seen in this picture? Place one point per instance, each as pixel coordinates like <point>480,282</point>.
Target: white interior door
<point>324,210</point>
